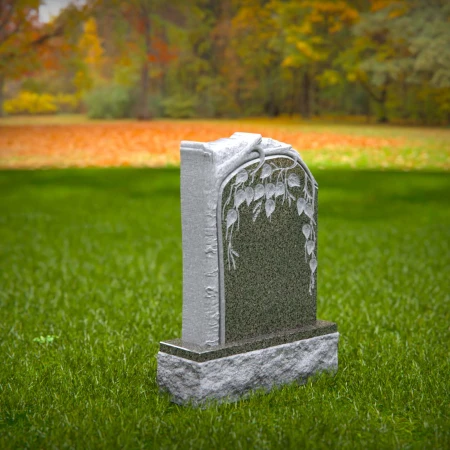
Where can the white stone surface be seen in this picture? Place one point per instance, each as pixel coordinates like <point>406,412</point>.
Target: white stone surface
<point>232,377</point>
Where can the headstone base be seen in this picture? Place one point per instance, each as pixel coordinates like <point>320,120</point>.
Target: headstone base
<point>232,377</point>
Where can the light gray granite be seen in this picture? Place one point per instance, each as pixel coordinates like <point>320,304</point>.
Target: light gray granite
<point>232,377</point>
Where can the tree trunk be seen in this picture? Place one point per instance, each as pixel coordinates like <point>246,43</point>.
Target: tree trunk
<point>293,98</point>
<point>382,101</point>
<point>316,100</point>
<point>271,107</point>
<point>2,85</point>
<point>305,105</point>
<point>368,109</point>
<point>144,113</point>
<point>405,112</point>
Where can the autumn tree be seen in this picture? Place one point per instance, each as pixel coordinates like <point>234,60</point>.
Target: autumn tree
<point>19,35</point>
<point>147,25</point>
<point>402,44</point>
<point>314,33</point>
<point>90,58</point>
<point>258,73</point>
<point>206,74</point>
<point>25,43</point>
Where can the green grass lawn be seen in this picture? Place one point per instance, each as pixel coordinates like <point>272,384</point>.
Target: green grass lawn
<point>94,257</point>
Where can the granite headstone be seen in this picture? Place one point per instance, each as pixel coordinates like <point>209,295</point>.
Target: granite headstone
<point>249,224</point>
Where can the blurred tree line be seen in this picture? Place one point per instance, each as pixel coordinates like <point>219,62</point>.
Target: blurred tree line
<point>383,59</point>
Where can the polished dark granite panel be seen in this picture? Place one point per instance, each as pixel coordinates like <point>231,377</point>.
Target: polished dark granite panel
<point>266,290</point>
<point>200,354</point>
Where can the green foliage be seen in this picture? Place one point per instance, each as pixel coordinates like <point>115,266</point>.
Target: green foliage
<point>109,102</point>
<point>45,340</point>
<point>155,105</point>
<point>94,257</point>
<point>406,42</point>
<point>400,47</point>
<point>33,85</point>
<point>126,75</point>
<point>67,103</point>
<point>179,107</point>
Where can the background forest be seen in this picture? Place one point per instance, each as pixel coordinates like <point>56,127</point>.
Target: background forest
<point>383,59</point>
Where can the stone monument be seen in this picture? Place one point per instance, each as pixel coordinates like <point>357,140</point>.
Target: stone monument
<point>249,224</point>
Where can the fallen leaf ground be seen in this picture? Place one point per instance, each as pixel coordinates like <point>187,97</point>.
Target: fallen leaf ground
<point>28,143</point>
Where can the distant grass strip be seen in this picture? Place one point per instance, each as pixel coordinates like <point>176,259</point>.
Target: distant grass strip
<point>90,282</point>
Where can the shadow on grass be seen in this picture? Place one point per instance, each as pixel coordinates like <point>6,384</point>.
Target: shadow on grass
<point>372,195</point>
<point>135,183</point>
<point>343,194</point>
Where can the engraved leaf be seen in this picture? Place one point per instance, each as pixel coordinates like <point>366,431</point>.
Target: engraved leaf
<point>310,246</point>
<point>279,189</point>
<point>270,190</point>
<point>307,193</point>
<point>257,210</point>
<point>241,177</point>
<point>266,171</point>
<point>231,257</point>
<point>231,217</point>
<point>313,264</point>
<point>306,229</point>
<point>239,198</point>
<point>249,194</point>
<point>270,207</point>
<point>301,203</point>
<point>309,210</point>
<point>258,205</point>
<point>259,191</point>
<point>293,180</point>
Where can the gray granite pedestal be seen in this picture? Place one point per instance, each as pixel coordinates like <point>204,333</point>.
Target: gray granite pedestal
<point>196,375</point>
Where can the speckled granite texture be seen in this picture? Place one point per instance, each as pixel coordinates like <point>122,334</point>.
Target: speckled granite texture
<point>183,349</point>
<point>232,377</point>
<point>267,289</point>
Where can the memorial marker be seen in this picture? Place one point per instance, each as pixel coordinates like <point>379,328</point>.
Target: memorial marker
<point>249,223</point>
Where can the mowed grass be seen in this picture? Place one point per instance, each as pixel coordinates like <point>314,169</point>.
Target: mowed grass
<point>93,257</point>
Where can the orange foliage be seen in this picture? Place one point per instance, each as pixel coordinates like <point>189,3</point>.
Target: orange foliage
<point>154,144</point>
<point>161,52</point>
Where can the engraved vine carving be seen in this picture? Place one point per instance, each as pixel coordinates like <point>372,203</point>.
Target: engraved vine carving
<point>265,189</point>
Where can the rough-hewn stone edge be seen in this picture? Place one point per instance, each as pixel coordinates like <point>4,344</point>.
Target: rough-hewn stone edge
<point>232,377</point>
<point>187,350</point>
<point>200,260</point>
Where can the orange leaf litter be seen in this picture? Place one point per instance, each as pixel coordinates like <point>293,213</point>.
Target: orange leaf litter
<point>150,144</point>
